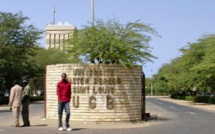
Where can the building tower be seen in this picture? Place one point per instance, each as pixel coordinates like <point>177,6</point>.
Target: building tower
<point>56,35</point>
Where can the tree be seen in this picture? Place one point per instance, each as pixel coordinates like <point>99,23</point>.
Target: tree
<point>44,57</point>
<point>201,62</point>
<point>17,42</point>
<point>52,56</point>
<point>113,43</point>
<point>194,68</point>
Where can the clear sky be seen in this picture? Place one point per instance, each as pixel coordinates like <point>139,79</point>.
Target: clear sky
<point>176,21</point>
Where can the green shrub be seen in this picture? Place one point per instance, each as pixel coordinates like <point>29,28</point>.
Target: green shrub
<point>4,100</point>
<point>173,96</point>
<point>198,98</point>
<point>37,98</point>
<point>190,98</point>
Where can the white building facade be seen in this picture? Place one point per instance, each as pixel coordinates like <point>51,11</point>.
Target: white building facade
<point>56,35</point>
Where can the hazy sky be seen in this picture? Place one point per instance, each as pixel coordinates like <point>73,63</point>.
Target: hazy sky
<point>176,21</point>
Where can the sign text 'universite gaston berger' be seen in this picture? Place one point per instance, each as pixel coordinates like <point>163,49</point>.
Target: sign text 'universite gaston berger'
<point>93,82</point>
<point>106,92</point>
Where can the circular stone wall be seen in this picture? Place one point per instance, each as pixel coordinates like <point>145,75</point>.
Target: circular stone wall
<point>99,92</point>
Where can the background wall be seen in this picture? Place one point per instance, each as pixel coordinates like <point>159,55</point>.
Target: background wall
<point>99,92</point>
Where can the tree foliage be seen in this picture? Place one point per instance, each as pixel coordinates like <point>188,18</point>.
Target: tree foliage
<point>194,68</point>
<point>113,43</point>
<point>17,42</point>
<point>44,57</point>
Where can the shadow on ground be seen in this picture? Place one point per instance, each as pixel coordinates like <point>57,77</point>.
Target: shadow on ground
<point>77,129</point>
<point>40,125</point>
<point>156,118</point>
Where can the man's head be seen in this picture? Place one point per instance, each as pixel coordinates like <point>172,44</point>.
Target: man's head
<point>63,76</point>
<point>25,81</point>
<point>15,82</point>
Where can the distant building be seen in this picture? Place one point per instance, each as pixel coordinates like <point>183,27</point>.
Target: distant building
<point>57,34</point>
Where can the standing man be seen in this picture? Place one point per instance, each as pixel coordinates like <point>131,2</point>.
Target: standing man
<point>15,102</point>
<point>64,96</point>
<point>25,103</point>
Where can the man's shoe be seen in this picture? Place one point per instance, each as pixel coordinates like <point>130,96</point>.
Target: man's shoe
<point>14,125</point>
<point>25,126</point>
<point>60,129</point>
<point>69,129</point>
<point>28,123</point>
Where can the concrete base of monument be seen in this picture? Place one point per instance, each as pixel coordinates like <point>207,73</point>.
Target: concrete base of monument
<point>40,121</point>
<point>100,125</point>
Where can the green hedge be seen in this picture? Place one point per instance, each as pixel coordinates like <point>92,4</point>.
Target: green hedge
<point>213,100</point>
<point>177,96</point>
<point>5,100</point>
<point>203,99</point>
<point>198,99</point>
<point>37,98</point>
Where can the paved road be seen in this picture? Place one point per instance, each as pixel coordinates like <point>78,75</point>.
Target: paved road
<point>177,119</point>
<point>171,119</point>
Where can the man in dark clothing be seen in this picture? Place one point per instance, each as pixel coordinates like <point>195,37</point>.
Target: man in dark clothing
<point>64,96</point>
<point>25,103</point>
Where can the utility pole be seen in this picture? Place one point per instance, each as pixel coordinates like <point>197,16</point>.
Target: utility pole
<point>92,12</point>
<point>151,85</point>
<point>151,89</point>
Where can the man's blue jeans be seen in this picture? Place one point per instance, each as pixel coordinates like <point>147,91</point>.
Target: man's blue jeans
<point>61,106</point>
